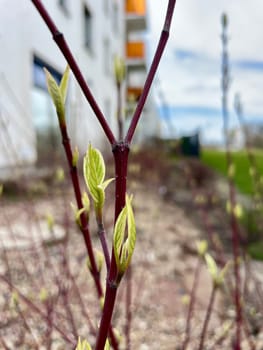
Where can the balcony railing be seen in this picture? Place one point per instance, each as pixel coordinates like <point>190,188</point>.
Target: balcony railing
<point>133,93</point>
<point>137,7</point>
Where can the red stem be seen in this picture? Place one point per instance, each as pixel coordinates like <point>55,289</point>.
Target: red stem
<point>64,48</point>
<point>32,306</point>
<point>207,317</point>
<point>84,223</point>
<point>120,152</point>
<point>191,305</point>
<point>128,308</point>
<point>154,66</point>
<point>83,219</point>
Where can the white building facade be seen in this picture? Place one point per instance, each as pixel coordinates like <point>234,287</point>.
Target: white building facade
<point>96,32</point>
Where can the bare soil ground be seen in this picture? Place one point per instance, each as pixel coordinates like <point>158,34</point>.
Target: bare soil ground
<point>48,268</point>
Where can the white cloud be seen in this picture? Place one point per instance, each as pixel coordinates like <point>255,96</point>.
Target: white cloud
<point>195,80</point>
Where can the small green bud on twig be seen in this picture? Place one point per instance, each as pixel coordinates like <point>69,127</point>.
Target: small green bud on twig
<point>14,300</point>
<point>60,174</point>
<point>75,157</point>
<point>102,301</point>
<point>83,345</point>
<point>50,221</point>
<point>185,299</point>
<point>124,246</point>
<point>216,274</point>
<point>231,171</point>
<point>119,69</point>
<point>202,247</point>
<point>99,260</point>
<point>237,211</point>
<point>107,345</point>
<point>58,92</point>
<point>43,295</point>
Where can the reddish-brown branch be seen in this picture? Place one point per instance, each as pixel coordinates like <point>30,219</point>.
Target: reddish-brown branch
<point>84,223</point>
<point>153,69</point>
<point>35,308</point>
<point>191,305</point>
<point>207,317</point>
<point>83,219</point>
<point>121,153</point>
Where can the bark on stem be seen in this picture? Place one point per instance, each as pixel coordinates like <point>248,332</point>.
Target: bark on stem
<point>84,224</point>
<point>207,317</point>
<point>120,152</point>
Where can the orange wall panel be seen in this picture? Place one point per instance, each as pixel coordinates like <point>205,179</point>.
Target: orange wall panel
<point>136,6</point>
<point>135,50</point>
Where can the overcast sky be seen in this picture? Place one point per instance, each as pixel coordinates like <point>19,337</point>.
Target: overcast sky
<point>189,75</point>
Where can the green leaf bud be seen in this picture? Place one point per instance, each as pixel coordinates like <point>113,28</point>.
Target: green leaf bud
<point>94,174</point>
<point>124,247</point>
<point>50,221</point>
<point>107,345</point>
<point>83,345</point>
<point>14,300</point>
<point>119,69</point>
<point>43,295</point>
<point>60,174</point>
<point>231,171</point>
<point>55,94</point>
<point>75,157</point>
<point>202,247</point>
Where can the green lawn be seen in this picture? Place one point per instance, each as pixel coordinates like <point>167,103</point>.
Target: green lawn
<point>217,160</point>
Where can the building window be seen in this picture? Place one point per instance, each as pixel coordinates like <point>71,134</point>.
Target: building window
<point>64,4</point>
<point>115,18</point>
<point>106,56</point>
<point>39,77</point>
<point>43,112</point>
<point>106,6</point>
<point>87,28</point>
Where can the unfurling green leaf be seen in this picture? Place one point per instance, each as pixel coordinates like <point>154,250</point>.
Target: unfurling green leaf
<point>63,86</point>
<point>237,210</point>
<point>99,260</point>
<point>43,295</point>
<point>83,345</point>
<point>216,274</point>
<point>55,94</point>
<point>231,171</point>
<point>58,92</point>
<point>202,247</point>
<point>14,300</point>
<point>75,157</point>
<point>119,69</point>
<point>50,221</point>
<point>107,345</point>
<point>124,237</point>
<point>94,174</point>
<point>59,174</point>
<point>212,266</point>
<point>86,202</point>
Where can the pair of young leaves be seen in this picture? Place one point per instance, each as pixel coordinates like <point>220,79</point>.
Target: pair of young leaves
<point>94,174</point>
<point>84,345</point>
